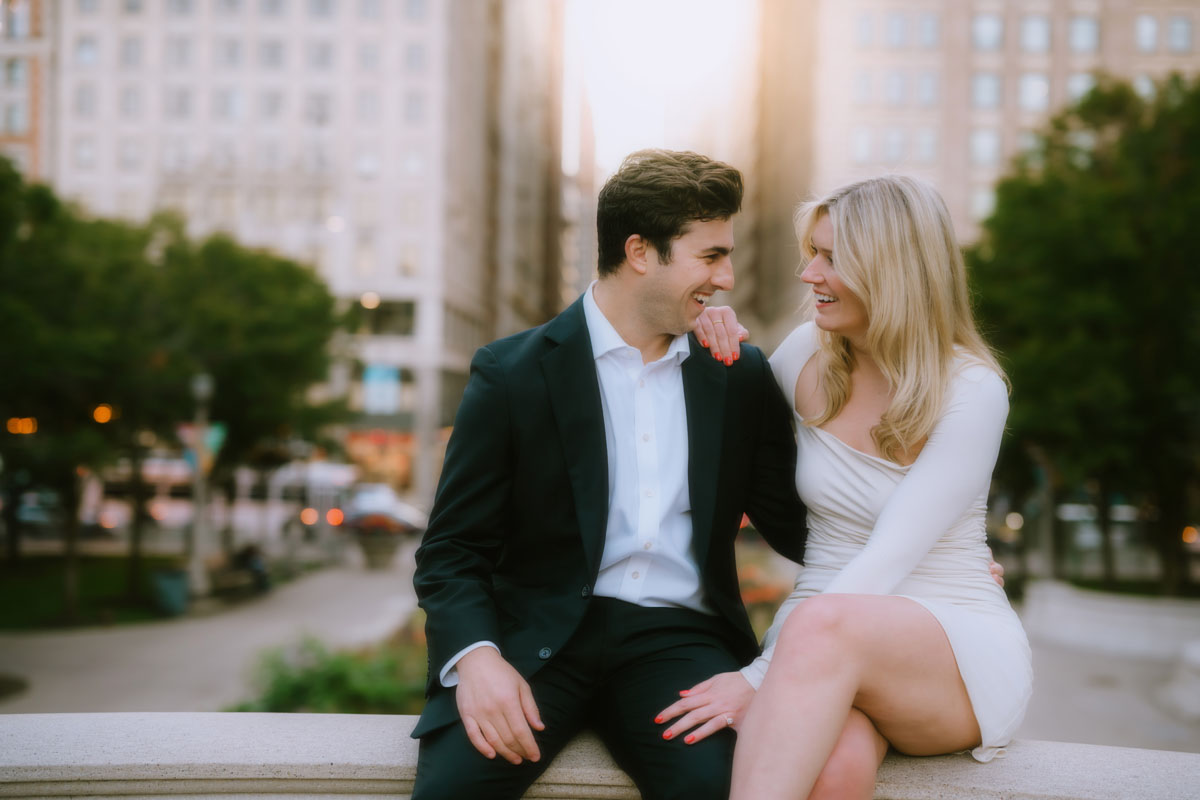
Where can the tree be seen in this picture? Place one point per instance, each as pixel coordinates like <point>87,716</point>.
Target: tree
<point>1087,282</point>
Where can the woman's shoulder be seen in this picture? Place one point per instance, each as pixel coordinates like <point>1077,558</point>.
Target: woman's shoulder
<point>792,354</point>
<point>974,381</point>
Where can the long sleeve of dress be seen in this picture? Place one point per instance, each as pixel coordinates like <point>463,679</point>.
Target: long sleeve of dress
<point>951,473</point>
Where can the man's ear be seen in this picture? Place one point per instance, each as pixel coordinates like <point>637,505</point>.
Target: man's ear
<point>638,253</point>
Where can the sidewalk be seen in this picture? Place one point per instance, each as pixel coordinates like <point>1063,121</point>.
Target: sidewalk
<point>203,663</point>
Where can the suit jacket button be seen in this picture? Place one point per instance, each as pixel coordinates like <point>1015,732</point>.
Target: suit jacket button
<point>544,653</point>
<point>585,591</point>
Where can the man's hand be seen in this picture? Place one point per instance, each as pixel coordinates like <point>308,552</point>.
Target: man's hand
<point>497,707</point>
<point>708,706</point>
<point>717,329</point>
<point>996,569</point>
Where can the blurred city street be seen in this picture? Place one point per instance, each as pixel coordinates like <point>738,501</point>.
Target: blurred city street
<point>204,662</point>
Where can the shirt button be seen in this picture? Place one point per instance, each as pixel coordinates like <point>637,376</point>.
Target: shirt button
<point>585,591</point>
<point>636,575</point>
<point>544,653</point>
<point>642,383</point>
<point>645,437</point>
<point>647,546</point>
<point>649,493</point>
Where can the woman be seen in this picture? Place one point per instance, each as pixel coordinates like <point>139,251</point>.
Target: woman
<point>896,634</point>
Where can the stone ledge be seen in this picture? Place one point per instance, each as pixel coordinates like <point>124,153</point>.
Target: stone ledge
<point>341,755</point>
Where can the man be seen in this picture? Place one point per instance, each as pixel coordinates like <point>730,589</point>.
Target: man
<point>578,569</point>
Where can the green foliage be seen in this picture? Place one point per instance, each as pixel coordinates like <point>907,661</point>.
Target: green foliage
<point>310,678</point>
<point>30,595</point>
<point>1087,282</point>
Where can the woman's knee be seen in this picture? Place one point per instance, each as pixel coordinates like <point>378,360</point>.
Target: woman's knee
<point>823,623</point>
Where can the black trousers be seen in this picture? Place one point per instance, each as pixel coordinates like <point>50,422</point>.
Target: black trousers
<point>624,665</point>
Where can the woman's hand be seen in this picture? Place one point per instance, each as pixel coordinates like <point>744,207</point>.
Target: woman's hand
<point>708,707</point>
<point>717,329</point>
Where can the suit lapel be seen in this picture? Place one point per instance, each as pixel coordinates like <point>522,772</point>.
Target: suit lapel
<point>574,390</point>
<point>704,382</point>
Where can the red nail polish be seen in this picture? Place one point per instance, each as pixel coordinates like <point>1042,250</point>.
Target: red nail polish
<point>668,735</point>
<point>729,361</point>
<point>684,693</point>
<point>689,738</point>
<point>658,719</point>
<point>703,343</point>
<point>717,356</point>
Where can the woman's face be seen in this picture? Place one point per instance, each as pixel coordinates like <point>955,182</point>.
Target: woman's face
<point>839,310</point>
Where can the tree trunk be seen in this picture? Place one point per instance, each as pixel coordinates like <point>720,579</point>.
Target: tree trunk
<point>139,495</point>
<point>12,525</point>
<point>1104,521</point>
<point>71,497</point>
<point>1168,532</point>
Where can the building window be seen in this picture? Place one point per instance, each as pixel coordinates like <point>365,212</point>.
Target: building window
<point>1179,34</point>
<point>1144,85</point>
<point>321,9</point>
<point>367,106</point>
<point>178,52</point>
<point>414,108</point>
<point>862,88</point>
<point>85,101</point>
<point>865,30</point>
<point>270,54</point>
<point>15,22</point>
<point>369,56</point>
<point>985,146</point>
<point>87,52</point>
<point>413,163</point>
<point>131,7</point>
<point>83,152</point>
<point>16,73</point>
<point>270,104</point>
<point>409,262</point>
<point>318,109</point>
<point>987,32</point>
<point>370,9</point>
<point>229,8</point>
<point>227,104</point>
<point>131,52</point>
<point>895,88</point>
<point>985,90</point>
<point>367,164</point>
<point>1083,34</point>
<point>929,30</point>
<point>416,10</point>
<point>179,8</point>
<point>16,117</point>
<point>1079,84</point>
<point>271,8</point>
<point>1035,33</point>
<point>925,145</point>
<point>927,89</point>
<point>228,53</point>
<point>364,252</point>
<point>129,103</point>
<point>983,202</point>
<point>860,145</point>
<point>320,55</point>
<point>178,105</point>
<point>1033,91</point>
<point>414,58</point>
<point>896,29</point>
<point>1145,33</point>
<point>129,154</point>
<point>894,140</point>
<point>86,8</point>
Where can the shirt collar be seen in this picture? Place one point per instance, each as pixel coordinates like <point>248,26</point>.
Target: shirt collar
<point>605,338</point>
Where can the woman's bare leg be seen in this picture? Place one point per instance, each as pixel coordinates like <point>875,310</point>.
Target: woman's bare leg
<point>849,772</point>
<point>886,656</point>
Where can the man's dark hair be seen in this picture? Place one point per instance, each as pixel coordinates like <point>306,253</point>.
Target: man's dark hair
<point>657,194</point>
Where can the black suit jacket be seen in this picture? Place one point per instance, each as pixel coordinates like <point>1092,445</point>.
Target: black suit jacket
<point>515,537</point>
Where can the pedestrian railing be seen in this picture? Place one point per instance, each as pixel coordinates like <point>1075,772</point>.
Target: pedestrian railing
<point>301,755</point>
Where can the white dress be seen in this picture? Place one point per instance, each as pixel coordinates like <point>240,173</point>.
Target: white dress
<point>917,531</point>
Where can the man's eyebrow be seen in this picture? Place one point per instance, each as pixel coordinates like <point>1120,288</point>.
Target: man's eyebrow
<point>718,249</point>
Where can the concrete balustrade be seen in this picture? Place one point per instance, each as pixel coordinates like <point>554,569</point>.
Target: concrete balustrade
<point>212,755</point>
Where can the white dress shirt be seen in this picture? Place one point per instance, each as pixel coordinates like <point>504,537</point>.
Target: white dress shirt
<point>647,558</point>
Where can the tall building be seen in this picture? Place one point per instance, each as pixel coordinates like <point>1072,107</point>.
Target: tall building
<point>401,146</point>
<point>26,84</point>
<point>951,90</point>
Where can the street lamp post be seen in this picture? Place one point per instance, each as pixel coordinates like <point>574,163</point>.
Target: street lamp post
<point>202,390</point>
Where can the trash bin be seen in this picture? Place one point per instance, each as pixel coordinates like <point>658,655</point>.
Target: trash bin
<point>170,590</point>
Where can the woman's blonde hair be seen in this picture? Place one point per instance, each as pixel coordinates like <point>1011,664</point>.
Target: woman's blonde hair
<point>894,247</point>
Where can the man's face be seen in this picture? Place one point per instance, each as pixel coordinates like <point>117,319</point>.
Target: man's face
<point>677,291</point>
